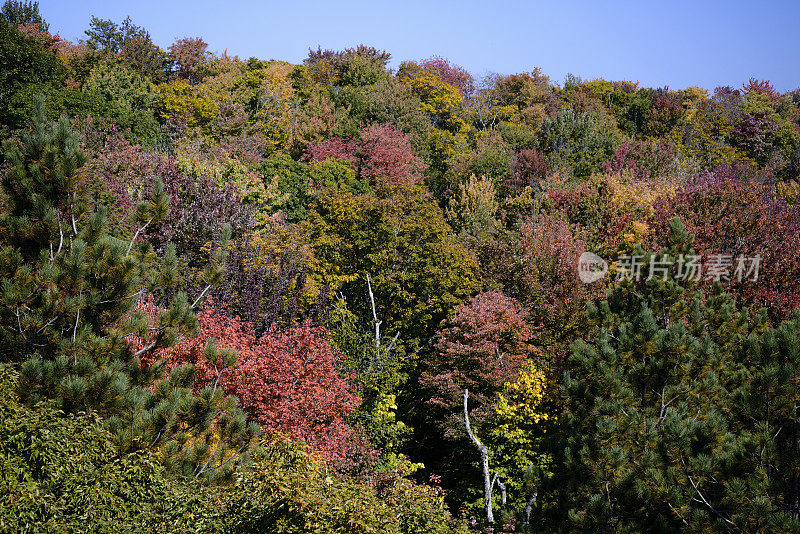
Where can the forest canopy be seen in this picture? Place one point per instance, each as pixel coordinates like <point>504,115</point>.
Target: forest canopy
<point>246,295</point>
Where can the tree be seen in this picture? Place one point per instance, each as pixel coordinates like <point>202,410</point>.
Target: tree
<point>383,157</point>
<point>115,82</point>
<point>191,105</point>
<point>389,161</point>
<point>479,349</point>
<point>672,413</point>
<point>579,142</point>
<point>419,270</point>
<point>642,159</point>
<point>67,312</point>
<point>665,113</point>
<point>22,13</point>
<point>110,37</point>
<point>449,73</point>
<point>529,166</point>
<point>754,135</point>
<point>761,87</point>
<point>488,481</point>
<point>288,490</point>
<point>144,57</point>
<point>287,381</point>
<point>198,209</point>
<point>187,57</point>
<point>64,472</point>
<point>24,64</point>
<point>474,210</point>
<point>438,99</point>
<point>517,433</point>
<point>548,283</point>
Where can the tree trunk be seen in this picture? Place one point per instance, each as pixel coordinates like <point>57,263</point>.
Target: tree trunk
<point>487,481</point>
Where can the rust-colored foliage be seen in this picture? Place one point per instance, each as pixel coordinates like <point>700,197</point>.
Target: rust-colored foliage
<point>549,284</point>
<point>762,87</point>
<point>731,212</point>
<point>480,348</point>
<point>287,381</point>
<point>383,156</point>
<point>529,166</point>
<point>187,57</point>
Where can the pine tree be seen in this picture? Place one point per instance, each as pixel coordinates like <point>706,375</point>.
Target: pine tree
<point>16,12</point>
<point>69,295</point>
<point>680,416</point>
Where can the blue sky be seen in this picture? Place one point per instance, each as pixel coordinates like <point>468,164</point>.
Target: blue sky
<point>665,43</point>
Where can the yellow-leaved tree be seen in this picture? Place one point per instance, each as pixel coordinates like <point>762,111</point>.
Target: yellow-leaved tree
<point>522,415</point>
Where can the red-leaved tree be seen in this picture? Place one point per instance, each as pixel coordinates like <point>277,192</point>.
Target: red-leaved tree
<point>479,348</point>
<point>287,381</point>
<point>389,160</point>
<point>549,284</point>
<point>733,213</point>
<point>383,156</point>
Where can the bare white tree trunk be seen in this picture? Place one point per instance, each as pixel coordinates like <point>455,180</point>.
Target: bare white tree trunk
<point>487,481</point>
<point>374,315</point>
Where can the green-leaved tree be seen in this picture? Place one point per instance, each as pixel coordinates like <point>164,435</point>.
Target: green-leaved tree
<point>70,314</point>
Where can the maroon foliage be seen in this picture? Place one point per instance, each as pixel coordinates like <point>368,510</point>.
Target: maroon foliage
<point>334,147</point>
<point>754,134</point>
<point>731,213</point>
<point>548,284</point>
<point>388,159</point>
<point>529,166</point>
<point>383,156</point>
<point>187,56</point>
<point>449,73</point>
<point>480,348</point>
<point>665,113</point>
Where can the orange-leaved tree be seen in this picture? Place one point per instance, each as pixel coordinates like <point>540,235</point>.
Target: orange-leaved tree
<point>285,380</point>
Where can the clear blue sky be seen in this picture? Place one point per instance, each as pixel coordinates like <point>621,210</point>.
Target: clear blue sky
<point>674,43</point>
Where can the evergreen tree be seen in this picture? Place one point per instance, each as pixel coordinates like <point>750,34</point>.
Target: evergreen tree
<point>26,67</point>
<point>16,12</point>
<point>69,310</point>
<point>680,416</point>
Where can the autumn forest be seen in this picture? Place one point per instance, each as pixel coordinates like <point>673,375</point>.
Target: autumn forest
<point>246,295</point>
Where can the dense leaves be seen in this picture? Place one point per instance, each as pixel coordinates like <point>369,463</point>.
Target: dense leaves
<point>376,241</point>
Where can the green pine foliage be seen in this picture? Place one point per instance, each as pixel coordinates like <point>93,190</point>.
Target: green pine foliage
<point>69,295</point>
<point>679,416</point>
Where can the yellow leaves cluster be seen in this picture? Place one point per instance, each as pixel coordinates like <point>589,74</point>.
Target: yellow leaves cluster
<point>519,406</point>
<point>198,104</point>
<point>274,97</point>
<point>624,194</point>
<point>790,191</point>
<point>437,98</point>
<point>475,208</point>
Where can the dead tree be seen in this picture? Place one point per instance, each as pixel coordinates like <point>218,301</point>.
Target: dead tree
<point>374,315</point>
<point>489,482</point>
